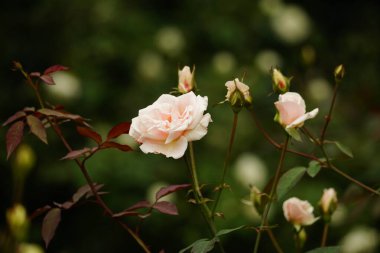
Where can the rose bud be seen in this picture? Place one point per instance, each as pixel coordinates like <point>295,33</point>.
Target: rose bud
<point>328,203</point>
<point>238,94</point>
<point>298,212</point>
<point>281,83</point>
<point>186,82</point>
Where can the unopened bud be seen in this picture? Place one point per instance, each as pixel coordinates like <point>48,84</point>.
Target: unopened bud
<point>186,82</point>
<point>281,83</point>
<point>339,72</point>
<point>328,203</point>
<point>238,94</point>
<point>17,221</point>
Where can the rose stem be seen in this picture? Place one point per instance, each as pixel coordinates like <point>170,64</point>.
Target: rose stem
<point>226,163</point>
<point>206,213</point>
<point>324,235</point>
<point>272,192</point>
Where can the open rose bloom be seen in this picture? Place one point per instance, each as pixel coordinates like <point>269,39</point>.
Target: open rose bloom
<point>166,126</point>
<point>298,212</point>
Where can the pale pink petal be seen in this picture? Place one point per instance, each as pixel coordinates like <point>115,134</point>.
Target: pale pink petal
<point>289,111</point>
<point>292,97</point>
<point>201,129</point>
<point>174,149</point>
<point>300,120</point>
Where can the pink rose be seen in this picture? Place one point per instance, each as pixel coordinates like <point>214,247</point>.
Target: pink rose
<point>298,212</point>
<point>185,80</point>
<point>236,86</point>
<point>328,201</point>
<point>292,110</point>
<point>166,126</point>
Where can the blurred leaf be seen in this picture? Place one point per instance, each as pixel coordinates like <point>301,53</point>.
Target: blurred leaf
<point>125,213</point>
<point>50,224</point>
<point>47,79</point>
<point>166,207</point>
<point>288,180</point>
<point>313,169</point>
<point>14,136</point>
<point>87,132</point>
<point>37,128</point>
<point>85,189</point>
<point>111,144</point>
<point>76,154</point>
<point>39,211</point>
<point>97,188</point>
<point>37,74</point>
<point>200,246</point>
<point>334,249</point>
<point>14,117</point>
<point>58,114</point>
<point>138,205</point>
<point>55,68</point>
<point>119,129</point>
<point>170,189</point>
<point>227,231</point>
<point>344,149</point>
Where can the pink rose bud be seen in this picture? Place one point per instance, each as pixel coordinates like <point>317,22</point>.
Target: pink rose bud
<point>186,81</point>
<point>166,126</point>
<point>298,212</point>
<point>281,83</point>
<point>328,203</point>
<point>238,94</point>
<point>291,111</point>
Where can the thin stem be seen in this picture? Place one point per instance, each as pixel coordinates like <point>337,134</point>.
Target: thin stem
<point>328,117</point>
<point>264,219</point>
<point>324,235</point>
<point>226,163</point>
<point>206,213</point>
<point>333,167</point>
<point>275,243</point>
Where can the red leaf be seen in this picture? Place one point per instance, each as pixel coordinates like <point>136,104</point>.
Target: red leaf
<point>58,114</point>
<point>14,137</point>
<point>97,188</point>
<point>125,213</point>
<point>111,144</point>
<point>50,224</point>
<point>76,154</point>
<point>47,79</point>
<point>14,117</point>
<point>37,128</point>
<point>87,132</point>
<point>169,189</point>
<point>138,205</point>
<point>119,129</point>
<point>166,208</point>
<point>39,211</point>
<point>55,68</point>
<point>84,190</point>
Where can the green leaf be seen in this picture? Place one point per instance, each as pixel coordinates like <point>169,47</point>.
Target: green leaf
<point>313,169</point>
<point>227,231</point>
<point>288,180</point>
<point>344,149</point>
<point>293,132</point>
<point>334,249</point>
<point>200,246</point>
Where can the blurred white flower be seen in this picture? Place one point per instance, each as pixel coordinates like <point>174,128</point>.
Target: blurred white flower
<point>266,59</point>
<point>249,169</point>
<point>291,23</point>
<point>67,85</point>
<point>319,89</point>
<point>360,240</point>
<point>150,65</point>
<point>223,62</point>
<point>170,40</point>
<point>270,7</point>
<point>154,188</point>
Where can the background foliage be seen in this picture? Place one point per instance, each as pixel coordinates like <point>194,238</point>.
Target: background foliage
<point>124,54</point>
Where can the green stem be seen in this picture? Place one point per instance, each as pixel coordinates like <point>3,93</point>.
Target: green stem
<point>226,163</point>
<point>324,235</point>
<point>264,219</point>
<point>200,201</point>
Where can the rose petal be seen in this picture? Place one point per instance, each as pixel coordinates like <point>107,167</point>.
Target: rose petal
<point>299,121</point>
<point>174,149</point>
<point>289,111</point>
